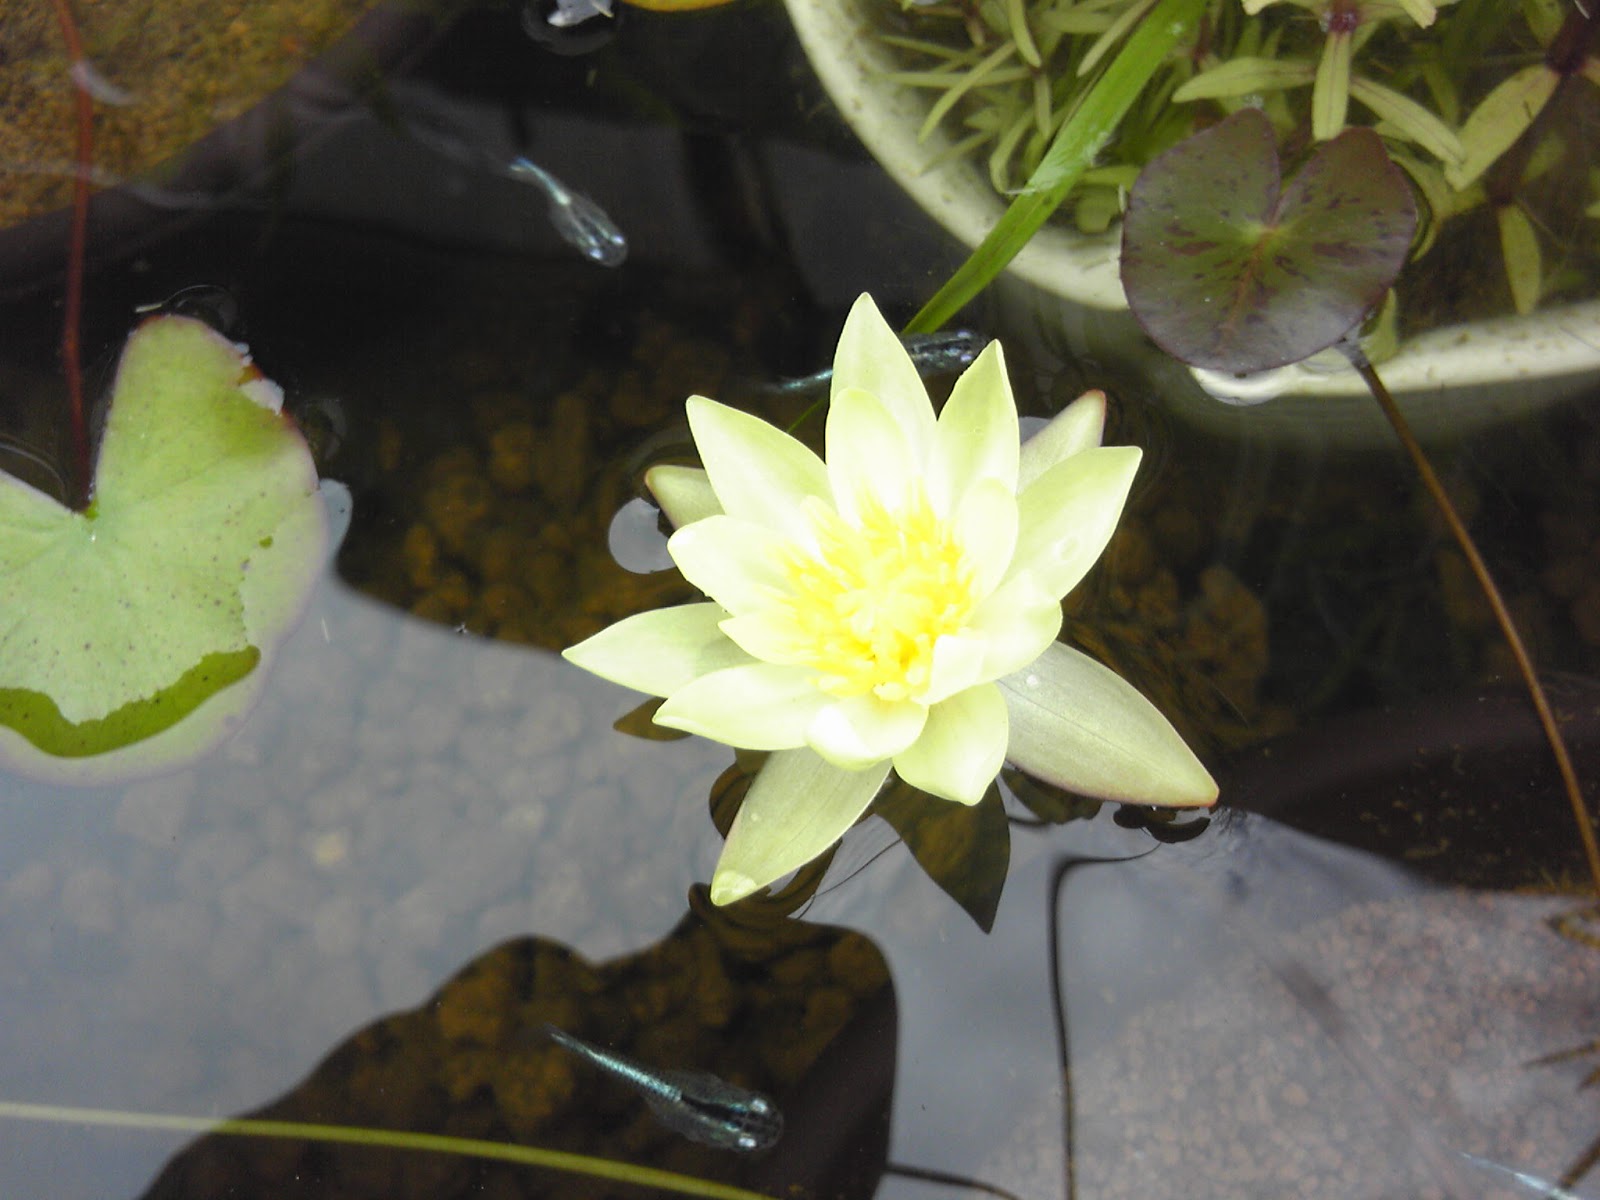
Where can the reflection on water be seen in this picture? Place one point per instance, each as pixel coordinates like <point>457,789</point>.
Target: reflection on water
<point>1258,1011</point>
<point>806,1016</point>
<point>1296,1040</point>
<point>400,797</point>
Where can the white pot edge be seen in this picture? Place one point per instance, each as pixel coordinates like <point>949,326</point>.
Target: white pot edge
<point>1540,358</point>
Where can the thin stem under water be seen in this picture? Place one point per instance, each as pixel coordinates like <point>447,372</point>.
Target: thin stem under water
<point>1502,615</point>
<point>72,311</point>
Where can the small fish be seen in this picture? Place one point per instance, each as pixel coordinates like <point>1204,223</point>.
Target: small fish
<point>579,220</point>
<point>931,354</point>
<point>208,302</point>
<point>567,29</point>
<point>575,12</point>
<point>695,1104</point>
<point>1544,1188</point>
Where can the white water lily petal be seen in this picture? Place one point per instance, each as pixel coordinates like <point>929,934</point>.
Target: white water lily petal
<point>1017,623</point>
<point>661,651</point>
<point>871,357</point>
<point>957,664</point>
<point>734,562</point>
<point>684,493</point>
<point>986,526</point>
<point>758,472</point>
<point>867,455</point>
<point>1078,725</point>
<point>770,635</point>
<point>758,706</point>
<point>857,731</point>
<point>962,748</point>
<point>798,806</point>
<point>977,435</point>
<point>1076,428</point>
<point>1070,513</point>
<point>909,572</point>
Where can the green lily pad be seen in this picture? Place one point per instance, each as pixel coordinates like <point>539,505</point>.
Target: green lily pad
<point>193,559</point>
<point>1228,269</point>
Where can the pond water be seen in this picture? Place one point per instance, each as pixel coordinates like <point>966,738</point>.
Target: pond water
<point>1370,974</point>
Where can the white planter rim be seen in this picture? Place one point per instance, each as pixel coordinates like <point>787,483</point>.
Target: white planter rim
<point>1550,346</point>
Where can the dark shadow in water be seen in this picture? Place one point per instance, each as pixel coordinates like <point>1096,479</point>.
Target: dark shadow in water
<point>1311,998</point>
<point>1460,788</point>
<point>804,1014</point>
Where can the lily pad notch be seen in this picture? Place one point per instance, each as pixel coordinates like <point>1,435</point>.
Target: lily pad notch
<point>193,559</point>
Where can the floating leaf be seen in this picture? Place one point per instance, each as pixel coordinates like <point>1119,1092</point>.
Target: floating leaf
<point>194,557</point>
<point>640,722</point>
<point>965,849</point>
<point>1225,268</point>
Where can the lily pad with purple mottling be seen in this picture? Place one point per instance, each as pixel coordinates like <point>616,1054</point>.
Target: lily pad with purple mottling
<point>1228,269</point>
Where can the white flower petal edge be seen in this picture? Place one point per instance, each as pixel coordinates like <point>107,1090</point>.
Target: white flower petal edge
<point>684,493</point>
<point>872,358</point>
<point>858,732</point>
<point>986,522</point>
<point>977,435</point>
<point>961,749</point>
<point>758,472</point>
<point>773,835</point>
<point>732,561</point>
<point>758,706</point>
<point>660,651</point>
<point>1070,512</point>
<point>1076,428</point>
<point>1080,726</point>
<point>1018,622</point>
<point>868,455</point>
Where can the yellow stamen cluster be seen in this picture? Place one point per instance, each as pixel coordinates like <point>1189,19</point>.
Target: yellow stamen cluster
<point>869,604</point>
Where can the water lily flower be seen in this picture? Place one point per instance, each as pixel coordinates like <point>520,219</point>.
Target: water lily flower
<point>896,605</point>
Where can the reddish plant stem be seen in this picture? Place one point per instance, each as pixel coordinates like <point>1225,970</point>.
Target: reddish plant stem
<point>1508,628</point>
<point>72,314</point>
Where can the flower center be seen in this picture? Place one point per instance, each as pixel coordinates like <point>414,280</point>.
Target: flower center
<point>869,605</point>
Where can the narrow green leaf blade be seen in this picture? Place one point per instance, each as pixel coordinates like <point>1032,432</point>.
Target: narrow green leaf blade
<point>1072,153</point>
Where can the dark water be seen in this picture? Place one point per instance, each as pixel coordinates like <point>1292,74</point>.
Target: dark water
<point>428,840</point>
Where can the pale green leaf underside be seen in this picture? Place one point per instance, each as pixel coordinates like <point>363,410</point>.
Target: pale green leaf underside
<point>204,534</point>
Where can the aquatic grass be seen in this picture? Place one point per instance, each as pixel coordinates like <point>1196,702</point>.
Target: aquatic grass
<point>1112,34</point>
<point>1081,136</point>
<point>1434,93</point>
<point>564,1161</point>
<point>986,71</point>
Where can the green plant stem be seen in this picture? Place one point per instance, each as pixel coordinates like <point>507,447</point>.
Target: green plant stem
<point>1090,126</point>
<point>389,1139</point>
<point>72,309</point>
<point>1480,570</point>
